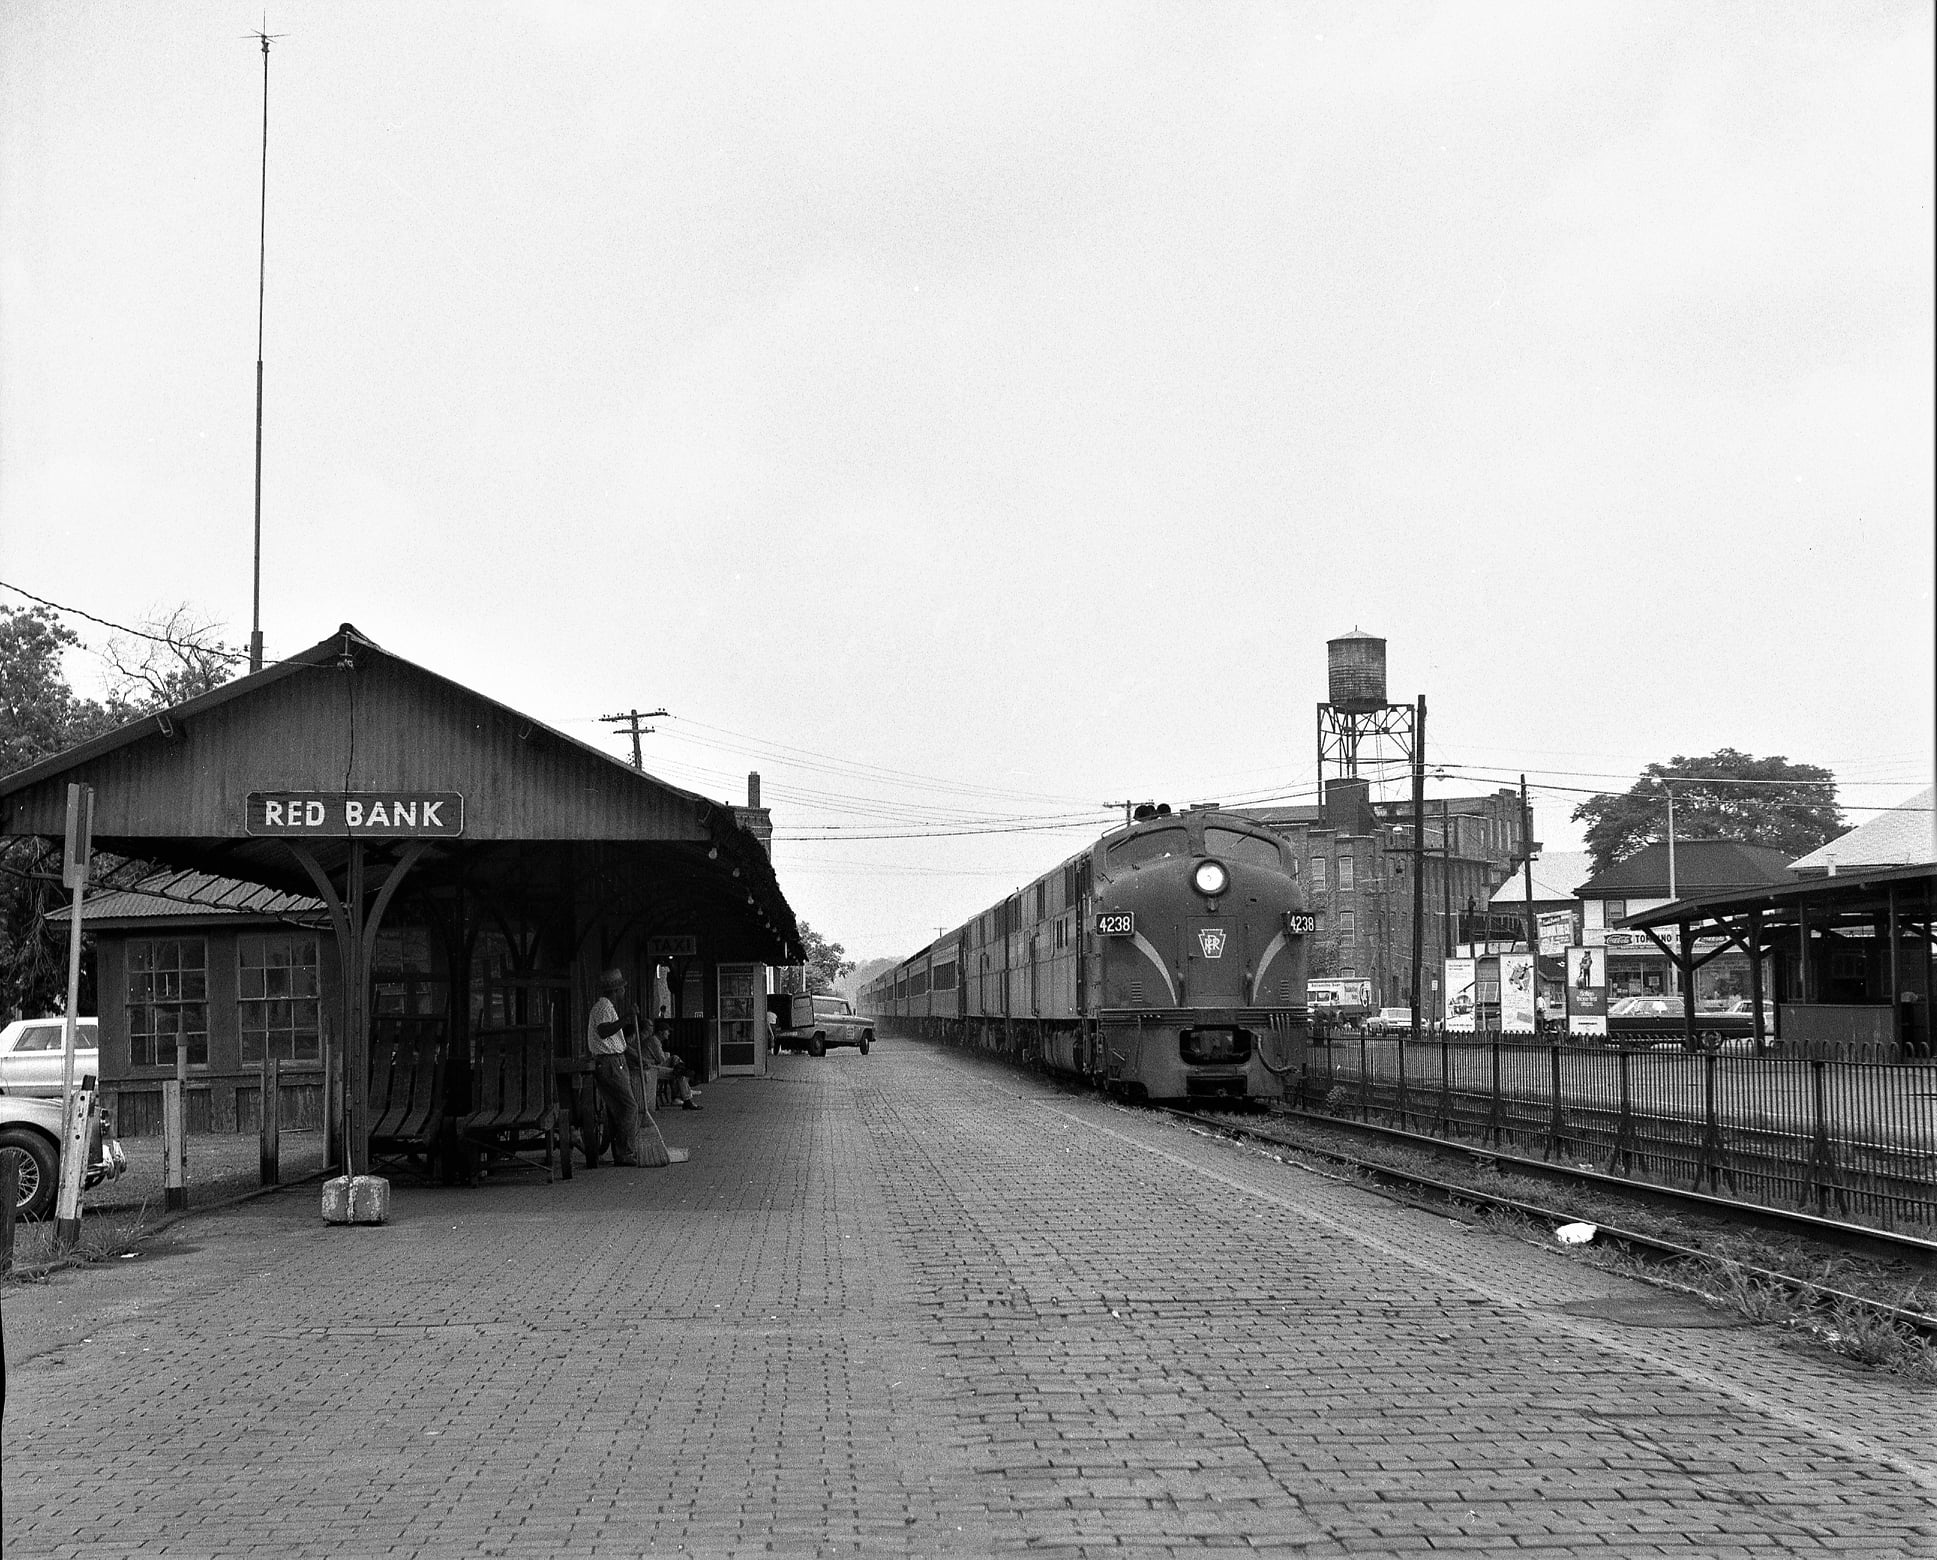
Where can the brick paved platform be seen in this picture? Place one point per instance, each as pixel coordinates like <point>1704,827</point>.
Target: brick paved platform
<point>911,1304</point>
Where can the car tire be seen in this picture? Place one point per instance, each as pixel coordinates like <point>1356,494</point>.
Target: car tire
<point>817,1046</point>
<point>39,1167</point>
<point>864,1048</point>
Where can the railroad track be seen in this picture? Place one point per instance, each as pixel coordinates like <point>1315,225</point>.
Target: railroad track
<point>1651,1248</point>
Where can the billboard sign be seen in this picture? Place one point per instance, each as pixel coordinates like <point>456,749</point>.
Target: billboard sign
<point>1587,991</point>
<point>1556,931</point>
<point>1458,987</point>
<point>1517,1008</point>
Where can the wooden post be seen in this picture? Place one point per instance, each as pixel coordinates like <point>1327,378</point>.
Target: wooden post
<point>9,1199</point>
<point>269,1157</point>
<point>74,873</point>
<point>174,1136</point>
<point>1896,982</point>
<point>1755,980</point>
<point>1685,968</point>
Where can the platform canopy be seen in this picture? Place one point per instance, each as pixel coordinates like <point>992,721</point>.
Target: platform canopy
<point>347,743</point>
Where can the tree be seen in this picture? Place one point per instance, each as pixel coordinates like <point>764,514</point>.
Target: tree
<point>1725,795</point>
<point>826,964</point>
<point>40,715</point>
<point>177,658</point>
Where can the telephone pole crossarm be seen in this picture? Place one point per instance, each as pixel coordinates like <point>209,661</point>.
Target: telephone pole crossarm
<point>630,722</point>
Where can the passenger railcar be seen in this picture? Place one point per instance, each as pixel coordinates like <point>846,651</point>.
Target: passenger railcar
<point>1166,961</point>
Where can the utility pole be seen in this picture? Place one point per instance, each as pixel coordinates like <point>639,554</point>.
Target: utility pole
<point>262,277</point>
<point>1128,809</point>
<point>1445,877</point>
<point>1418,859</point>
<point>1533,921</point>
<point>1668,786</point>
<point>629,722</point>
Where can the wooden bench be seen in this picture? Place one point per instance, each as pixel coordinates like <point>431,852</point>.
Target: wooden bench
<point>407,1093</point>
<point>514,1114</point>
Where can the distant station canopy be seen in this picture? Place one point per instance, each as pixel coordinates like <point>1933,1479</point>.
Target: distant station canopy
<point>1355,664</point>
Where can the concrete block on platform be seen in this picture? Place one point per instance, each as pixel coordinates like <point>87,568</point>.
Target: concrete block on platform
<point>356,1199</point>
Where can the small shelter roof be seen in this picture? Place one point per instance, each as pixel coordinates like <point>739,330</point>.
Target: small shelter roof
<point>1853,891</point>
<point>173,895</point>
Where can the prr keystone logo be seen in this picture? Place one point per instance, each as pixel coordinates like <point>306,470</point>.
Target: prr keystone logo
<point>1211,939</point>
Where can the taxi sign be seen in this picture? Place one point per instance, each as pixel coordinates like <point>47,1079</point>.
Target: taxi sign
<point>1116,923</point>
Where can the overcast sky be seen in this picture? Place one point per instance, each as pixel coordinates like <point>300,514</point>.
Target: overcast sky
<point>971,416</point>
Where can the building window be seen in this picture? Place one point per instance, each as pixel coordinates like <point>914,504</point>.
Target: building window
<point>167,1001</point>
<point>1320,876</point>
<point>1347,924</point>
<point>1345,865</point>
<point>276,996</point>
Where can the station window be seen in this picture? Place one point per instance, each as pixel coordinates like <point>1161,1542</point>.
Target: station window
<point>276,998</point>
<point>167,1000</point>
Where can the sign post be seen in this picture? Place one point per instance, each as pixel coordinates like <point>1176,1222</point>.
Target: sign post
<point>76,1105</point>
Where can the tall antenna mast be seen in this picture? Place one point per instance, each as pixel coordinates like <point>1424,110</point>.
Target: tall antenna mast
<point>262,271</point>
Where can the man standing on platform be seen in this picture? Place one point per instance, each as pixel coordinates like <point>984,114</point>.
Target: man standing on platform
<point>613,1018</point>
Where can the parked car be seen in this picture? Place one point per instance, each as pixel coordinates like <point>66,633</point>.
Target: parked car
<point>816,1024</point>
<point>30,1054</point>
<point>1394,1021</point>
<point>30,1135</point>
<point>1638,1020</point>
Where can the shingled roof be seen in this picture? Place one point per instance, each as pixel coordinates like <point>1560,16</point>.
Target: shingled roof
<point>1701,867</point>
<point>1897,838</point>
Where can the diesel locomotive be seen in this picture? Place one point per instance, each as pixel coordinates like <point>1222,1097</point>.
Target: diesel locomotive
<point>1165,962</point>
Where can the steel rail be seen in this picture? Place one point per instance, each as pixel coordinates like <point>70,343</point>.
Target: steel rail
<point>1794,1220</point>
<point>1454,1191</point>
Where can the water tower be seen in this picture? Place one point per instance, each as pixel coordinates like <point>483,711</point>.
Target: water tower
<point>1356,716</point>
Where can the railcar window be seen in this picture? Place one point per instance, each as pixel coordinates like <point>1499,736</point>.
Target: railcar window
<point>1148,845</point>
<point>1251,848</point>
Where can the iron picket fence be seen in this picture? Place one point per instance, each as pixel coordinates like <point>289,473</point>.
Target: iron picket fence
<point>1855,1141</point>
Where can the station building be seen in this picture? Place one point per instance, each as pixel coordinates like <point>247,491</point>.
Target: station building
<point>346,850</point>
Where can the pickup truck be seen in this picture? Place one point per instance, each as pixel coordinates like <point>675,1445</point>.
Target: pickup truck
<point>814,1024</point>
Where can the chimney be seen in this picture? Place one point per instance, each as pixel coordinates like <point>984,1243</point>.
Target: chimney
<point>754,818</point>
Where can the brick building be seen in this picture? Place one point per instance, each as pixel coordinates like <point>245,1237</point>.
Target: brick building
<point>1356,857</point>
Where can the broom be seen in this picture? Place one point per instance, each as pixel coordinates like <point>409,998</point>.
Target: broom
<point>652,1147</point>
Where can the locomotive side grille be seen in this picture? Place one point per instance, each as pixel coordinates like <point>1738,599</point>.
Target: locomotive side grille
<point>1136,992</point>
<point>1284,991</point>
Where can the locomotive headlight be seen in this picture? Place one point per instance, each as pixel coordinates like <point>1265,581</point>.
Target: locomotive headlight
<point>1210,879</point>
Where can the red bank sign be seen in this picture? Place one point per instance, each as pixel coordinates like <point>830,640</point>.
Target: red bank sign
<point>363,814</point>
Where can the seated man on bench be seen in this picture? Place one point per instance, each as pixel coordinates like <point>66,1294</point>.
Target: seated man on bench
<point>665,1065</point>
